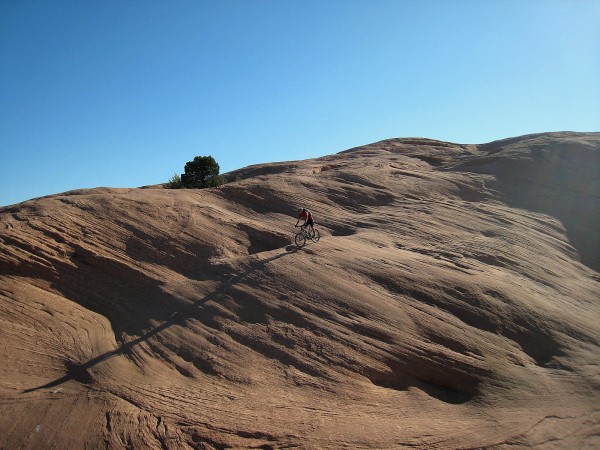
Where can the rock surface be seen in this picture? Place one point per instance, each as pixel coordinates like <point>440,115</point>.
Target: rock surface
<point>452,302</point>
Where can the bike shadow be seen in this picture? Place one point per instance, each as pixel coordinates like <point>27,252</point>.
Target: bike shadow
<point>80,372</point>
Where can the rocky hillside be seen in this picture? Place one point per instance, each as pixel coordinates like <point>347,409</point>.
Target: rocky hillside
<point>452,302</point>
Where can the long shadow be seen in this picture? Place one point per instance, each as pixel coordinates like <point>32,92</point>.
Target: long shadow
<point>80,371</point>
<point>258,265</point>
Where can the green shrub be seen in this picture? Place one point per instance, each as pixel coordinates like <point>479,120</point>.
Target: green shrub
<point>174,182</point>
<point>202,172</point>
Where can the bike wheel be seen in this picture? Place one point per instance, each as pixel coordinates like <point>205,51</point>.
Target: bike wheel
<point>315,236</point>
<point>300,239</point>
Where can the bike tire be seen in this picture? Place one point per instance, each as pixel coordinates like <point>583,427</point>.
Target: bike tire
<point>300,240</point>
<point>315,236</point>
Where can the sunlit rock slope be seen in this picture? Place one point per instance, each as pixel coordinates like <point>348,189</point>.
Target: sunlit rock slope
<point>452,302</point>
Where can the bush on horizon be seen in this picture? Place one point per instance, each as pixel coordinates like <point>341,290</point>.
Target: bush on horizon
<point>174,182</point>
<point>200,173</point>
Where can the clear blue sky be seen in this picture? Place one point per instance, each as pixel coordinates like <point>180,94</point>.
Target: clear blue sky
<point>123,93</point>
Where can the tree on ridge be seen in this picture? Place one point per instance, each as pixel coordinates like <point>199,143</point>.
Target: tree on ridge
<point>202,172</point>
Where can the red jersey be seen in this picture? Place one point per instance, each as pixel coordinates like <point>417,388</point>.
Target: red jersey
<point>305,215</point>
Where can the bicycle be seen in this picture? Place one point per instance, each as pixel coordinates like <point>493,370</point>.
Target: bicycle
<point>304,234</point>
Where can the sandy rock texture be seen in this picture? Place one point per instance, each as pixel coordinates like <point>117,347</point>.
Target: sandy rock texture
<point>453,301</point>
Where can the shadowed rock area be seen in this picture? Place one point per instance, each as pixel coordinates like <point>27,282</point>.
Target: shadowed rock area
<point>452,302</point>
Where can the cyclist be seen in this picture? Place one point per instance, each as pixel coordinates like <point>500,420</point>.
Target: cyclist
<point>306,215</point>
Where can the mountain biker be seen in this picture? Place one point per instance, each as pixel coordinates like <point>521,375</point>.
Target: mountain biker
<point>306,215</point>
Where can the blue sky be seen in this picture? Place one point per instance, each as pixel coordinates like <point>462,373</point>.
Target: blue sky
<point>123,93</point>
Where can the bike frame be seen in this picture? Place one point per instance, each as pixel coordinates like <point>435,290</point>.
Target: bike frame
<point>307,234</point>
<point>305,230</point>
